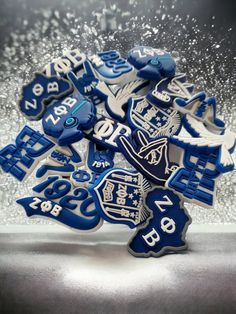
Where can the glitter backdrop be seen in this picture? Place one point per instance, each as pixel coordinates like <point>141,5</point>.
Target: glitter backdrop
<point>202,41</point>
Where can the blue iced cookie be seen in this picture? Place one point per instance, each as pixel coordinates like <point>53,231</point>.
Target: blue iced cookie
<point>152,64</point>
<point>202,108</point>
<point>106,131</point>
<point>66,119</point>
<point>168,89</point>
<point>39,92</point>
<point>166,228</point>
<point>201,139</point>
<point>149,156</point>
<point>63,160</point>
<point>98,158</point>
<point>118,195</point>
<point>156,121</point>
<point>72,60</point>
<point>111,67</point>
<point>57,199</point>
<point>21,158</point>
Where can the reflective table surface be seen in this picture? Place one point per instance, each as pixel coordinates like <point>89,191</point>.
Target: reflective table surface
<point>49,270</point>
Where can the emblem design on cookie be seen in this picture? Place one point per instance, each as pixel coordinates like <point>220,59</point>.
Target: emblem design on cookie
<point>168,89</point>
<point>154,120</point>
<point>66,119</point>
<point>118,194</point>
<point>148,156</point>
<point>165,229</point>
<point>152,64</point>
<point>39,92</point>
<point>21,158</point>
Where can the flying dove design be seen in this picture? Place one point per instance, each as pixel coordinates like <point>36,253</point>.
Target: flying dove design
<point>222,144</point>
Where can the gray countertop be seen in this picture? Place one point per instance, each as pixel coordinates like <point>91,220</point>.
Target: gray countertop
<point>44,269</point>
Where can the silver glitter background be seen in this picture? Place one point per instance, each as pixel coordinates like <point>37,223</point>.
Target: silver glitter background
<point>43,32</point>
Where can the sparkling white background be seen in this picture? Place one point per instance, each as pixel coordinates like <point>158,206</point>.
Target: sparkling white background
<point>33,33</point>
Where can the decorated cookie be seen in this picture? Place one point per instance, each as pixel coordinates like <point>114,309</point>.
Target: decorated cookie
<point>67,118</point>
<point>152,64</point>
<point>201,108</point>
<point>57,199</point>
<point>111,67</point>
<point>118,195</point>
<point>195,180</point>
<point>63,160</point>
<point>87,82</point>
<point>21,158</point>
<point>149,156</point>
<point>156,121</point>
<point>116,98</point>
<point>72,60</point>
<point>98,159</point>
<point>39,92</point>
<point>165,230</point>
<point>200,138</point>
<point>106,131</point>
<point>168,89</point>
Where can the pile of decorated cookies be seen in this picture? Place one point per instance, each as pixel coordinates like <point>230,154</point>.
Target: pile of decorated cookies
<point>174,146</point>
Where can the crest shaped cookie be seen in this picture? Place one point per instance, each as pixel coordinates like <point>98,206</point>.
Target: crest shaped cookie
<point>118,194</point>
<point>156,121</point>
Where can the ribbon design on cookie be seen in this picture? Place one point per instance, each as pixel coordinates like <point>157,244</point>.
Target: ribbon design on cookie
<point>57,199</point>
